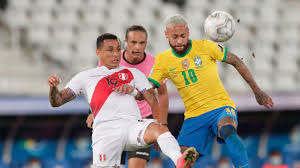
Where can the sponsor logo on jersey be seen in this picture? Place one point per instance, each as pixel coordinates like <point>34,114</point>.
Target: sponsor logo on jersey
<point>123,76</point>
<point>185,64</point>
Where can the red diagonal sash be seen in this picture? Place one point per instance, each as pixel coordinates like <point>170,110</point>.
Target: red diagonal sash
<point>104,88</point>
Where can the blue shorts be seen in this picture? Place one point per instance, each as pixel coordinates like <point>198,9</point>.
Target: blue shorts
<point>200,131</point>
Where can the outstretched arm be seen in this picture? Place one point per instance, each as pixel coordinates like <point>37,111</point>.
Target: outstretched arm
<point>163,99</point>
<point>150,97</point>
<point>56,97</point>
<point>261,97</point>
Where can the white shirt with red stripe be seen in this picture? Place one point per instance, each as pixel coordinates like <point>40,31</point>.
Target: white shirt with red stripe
<point>145,66</point>
<point>97,87</point>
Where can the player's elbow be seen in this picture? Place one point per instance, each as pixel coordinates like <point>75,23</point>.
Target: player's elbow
<point>53,104</point>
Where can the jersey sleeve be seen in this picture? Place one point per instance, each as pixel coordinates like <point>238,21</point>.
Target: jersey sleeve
<point>216,51</point>
<point>75,84</point>
<point>140,80</point>
<point>157,74</point>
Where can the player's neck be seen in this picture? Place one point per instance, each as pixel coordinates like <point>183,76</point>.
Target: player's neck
<point>185,50</point>
<point>108,67</point>
<point>133,60</point>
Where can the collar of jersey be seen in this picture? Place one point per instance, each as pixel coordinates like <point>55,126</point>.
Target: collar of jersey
<point>187,51</point>
<point>124,58</point>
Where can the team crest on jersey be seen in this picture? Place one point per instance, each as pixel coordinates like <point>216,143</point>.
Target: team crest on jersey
<point>185,64</point>
<point>198,61</point>
<point>123,76</point>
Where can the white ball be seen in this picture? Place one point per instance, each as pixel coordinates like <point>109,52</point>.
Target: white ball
<point>219,26</point>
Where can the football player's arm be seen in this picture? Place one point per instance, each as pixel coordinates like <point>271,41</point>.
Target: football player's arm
<point>89,121</point>
<point>151,99</point>
<point>261,97</point>
<point>127,89</point>
<point>163,99</point>
<point>158,73</point>
<point>56,97</point>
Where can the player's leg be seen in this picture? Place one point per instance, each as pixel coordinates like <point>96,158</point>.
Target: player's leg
<point>159,134</point>
<point>123,159</point>
<point>108,141</point>
<point>139,158</point>
<point>227,131</point>
<point>137,163</point>
<point>196,132</point>
<point>149,132</point>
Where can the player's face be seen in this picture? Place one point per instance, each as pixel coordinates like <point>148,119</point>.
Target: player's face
<point>110,53</point>
<point>178,36</point>
<point>136,44</point>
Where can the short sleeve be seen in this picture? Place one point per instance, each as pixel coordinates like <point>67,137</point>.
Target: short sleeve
<point>157,74</point>
<point>75,84</point>
<point>140,80</point>
<point>216,51</point>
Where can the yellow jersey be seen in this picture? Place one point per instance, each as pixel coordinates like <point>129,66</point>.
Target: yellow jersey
<point>195,74</point>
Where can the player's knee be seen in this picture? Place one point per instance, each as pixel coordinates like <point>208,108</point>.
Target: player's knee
<point>227,130</point>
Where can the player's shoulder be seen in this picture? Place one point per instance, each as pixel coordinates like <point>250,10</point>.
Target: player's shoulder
<point>203,42</point>
<point>149,57</point>
<point>165,55</point>
<point>86,71</point>
<point>206,45</point>
<point>89,71</point>
<point>166,52</point>
<point>82,75</point>
<point>133,70</point>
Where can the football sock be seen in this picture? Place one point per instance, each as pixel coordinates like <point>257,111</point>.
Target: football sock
<point>169,146</point>
<point>235,145</point>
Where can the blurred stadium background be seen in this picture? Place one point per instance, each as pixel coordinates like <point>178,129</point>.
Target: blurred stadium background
<point>44,37</point>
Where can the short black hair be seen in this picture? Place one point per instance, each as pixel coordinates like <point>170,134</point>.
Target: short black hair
<point>103,37</point>
<point>135,28</point>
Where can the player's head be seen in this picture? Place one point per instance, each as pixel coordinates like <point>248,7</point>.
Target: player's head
<point>177,32</point>
<point>275,157</point>
<point>109,50</point>
<point>136,41</point>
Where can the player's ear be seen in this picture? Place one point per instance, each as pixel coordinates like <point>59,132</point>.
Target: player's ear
<point>166,34</point>
<point>98,52</point>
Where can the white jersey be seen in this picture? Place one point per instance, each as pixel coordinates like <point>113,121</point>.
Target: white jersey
<point>97,87</point>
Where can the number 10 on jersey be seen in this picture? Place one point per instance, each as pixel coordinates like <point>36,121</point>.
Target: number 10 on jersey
<point>192,76</point>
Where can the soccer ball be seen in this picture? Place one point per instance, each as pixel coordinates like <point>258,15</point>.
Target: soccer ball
<point>219,26</point>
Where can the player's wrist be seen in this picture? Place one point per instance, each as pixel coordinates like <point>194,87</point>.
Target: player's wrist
<point>134,92</point>
<point>163,124</point>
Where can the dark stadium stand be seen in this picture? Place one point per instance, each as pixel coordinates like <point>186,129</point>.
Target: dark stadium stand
<point>65,140</point>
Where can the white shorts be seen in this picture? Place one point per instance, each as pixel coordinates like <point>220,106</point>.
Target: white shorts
<point>111,138</point>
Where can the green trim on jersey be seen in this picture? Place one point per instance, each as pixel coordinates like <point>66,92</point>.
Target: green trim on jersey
<point>154,82</point>
<point>225,55</point>
<point>187,51</point>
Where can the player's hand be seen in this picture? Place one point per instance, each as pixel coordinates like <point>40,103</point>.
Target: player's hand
<point>125,89</point>
<point>53,81</point>
<point>264,99</point>
<point>89,121</point>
